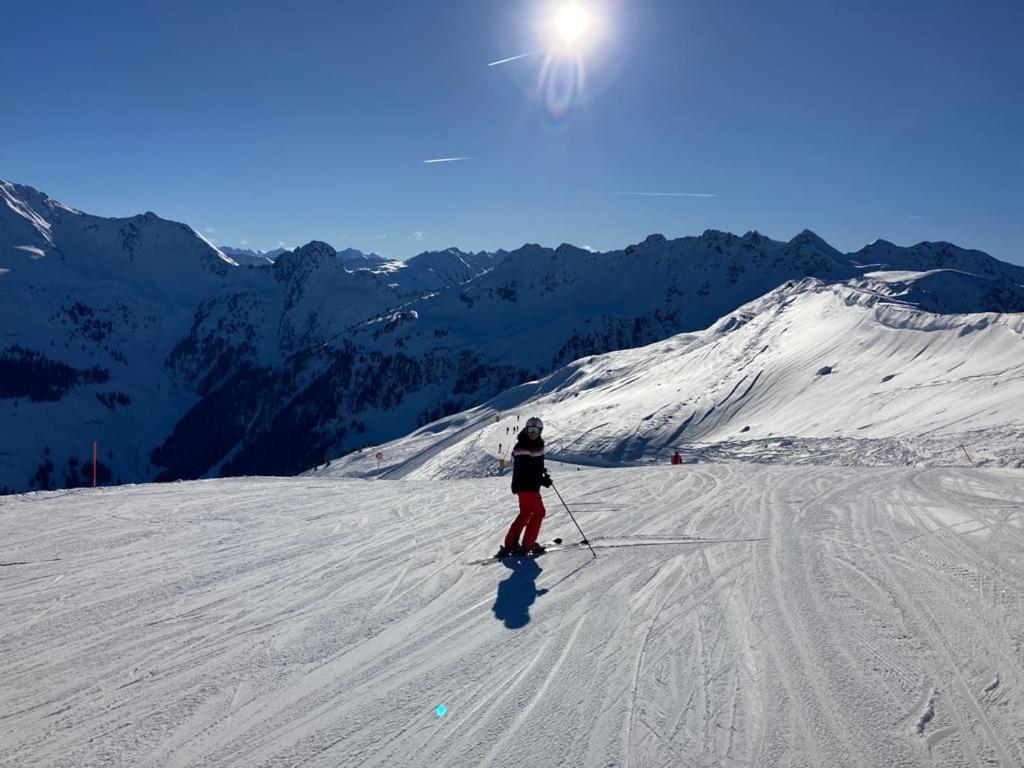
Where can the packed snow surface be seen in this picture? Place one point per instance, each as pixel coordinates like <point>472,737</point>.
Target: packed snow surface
<point>736,615</point>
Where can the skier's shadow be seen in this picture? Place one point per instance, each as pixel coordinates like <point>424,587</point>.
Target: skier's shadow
<point>517,593</point>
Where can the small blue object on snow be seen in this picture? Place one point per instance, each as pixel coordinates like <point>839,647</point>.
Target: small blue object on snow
<point>442,710</point>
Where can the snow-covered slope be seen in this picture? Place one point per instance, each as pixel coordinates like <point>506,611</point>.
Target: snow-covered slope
<point>140,335</point>
<point>736,615</point>
<point>811,372</point>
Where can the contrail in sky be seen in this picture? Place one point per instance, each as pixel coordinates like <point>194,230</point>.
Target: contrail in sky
<point>446,159</point>
<point>511,58</point>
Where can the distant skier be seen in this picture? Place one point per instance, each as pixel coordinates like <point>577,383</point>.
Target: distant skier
<point>528,475</point>
<point>676,458</point>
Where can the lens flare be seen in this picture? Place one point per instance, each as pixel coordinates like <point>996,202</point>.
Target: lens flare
<point>561,80</point>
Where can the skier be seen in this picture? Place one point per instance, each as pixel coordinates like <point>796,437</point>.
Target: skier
<point>676,458</point>
<point>528,475</point>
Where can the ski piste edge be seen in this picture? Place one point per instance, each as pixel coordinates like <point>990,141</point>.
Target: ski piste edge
<point>616,542</point>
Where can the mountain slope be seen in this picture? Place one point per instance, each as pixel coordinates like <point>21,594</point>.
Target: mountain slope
<point>810,372</point>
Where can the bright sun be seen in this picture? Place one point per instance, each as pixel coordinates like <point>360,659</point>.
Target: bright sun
<point>571,23</point>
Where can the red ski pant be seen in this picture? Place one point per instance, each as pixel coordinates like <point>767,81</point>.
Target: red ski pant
<point>531,515</point>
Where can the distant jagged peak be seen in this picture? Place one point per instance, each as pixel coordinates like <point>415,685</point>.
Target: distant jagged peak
<point>881,243</point>
<point>567,249</point>
<point>532,248</point>
<point>717,236</point>
<point>812,239</point>
<point>651,242</point>
<point>314,249</point>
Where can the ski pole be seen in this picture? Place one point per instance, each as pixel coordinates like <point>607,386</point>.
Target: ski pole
<point>585,539</point>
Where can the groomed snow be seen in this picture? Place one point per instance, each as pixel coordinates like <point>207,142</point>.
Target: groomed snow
<point>736,615</point>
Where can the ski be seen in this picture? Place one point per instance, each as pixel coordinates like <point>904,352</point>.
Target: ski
<point>629,542</point>
<point>548,545</point>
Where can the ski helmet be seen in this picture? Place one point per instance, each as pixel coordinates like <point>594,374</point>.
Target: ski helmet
<point>534,425</point>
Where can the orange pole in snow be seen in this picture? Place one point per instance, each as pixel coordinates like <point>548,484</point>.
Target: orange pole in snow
<point>94,464</point>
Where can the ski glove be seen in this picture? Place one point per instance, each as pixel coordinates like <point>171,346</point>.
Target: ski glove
<point>546,480</point>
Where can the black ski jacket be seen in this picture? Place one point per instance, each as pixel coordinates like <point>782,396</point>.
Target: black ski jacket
<point>527,463</point>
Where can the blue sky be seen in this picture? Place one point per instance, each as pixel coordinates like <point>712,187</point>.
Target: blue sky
<point>284,122</point>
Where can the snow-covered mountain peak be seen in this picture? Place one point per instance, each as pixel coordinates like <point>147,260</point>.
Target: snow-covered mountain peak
<point>26,198</point>
<point>28,215</point>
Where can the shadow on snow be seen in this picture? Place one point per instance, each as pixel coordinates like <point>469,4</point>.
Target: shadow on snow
<point>517,593</point>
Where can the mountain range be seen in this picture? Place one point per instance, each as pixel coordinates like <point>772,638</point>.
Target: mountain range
<point>179,362</point>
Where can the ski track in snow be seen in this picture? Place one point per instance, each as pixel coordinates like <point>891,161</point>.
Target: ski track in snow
<point>805,616</point>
